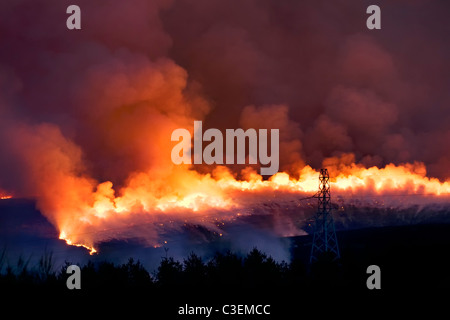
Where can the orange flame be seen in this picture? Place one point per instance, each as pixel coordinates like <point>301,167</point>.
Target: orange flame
<point>196,197</point>
<point>63,236</point>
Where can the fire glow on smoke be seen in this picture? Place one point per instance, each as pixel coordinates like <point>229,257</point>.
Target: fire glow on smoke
<point>208,198</point>
<point>86,117</point>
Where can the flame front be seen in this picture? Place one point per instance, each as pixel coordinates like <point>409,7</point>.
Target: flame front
<point>64,237</point>
<point>140,210</point>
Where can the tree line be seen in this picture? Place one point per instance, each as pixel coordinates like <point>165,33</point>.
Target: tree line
<point>224,270</point>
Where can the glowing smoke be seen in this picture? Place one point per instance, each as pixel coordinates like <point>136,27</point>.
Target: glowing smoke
<point>86,117</point>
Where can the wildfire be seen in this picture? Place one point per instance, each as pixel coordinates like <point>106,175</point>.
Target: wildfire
<point>63,236</point>
<point>197,198</point>
<point>5,197</point>
<point>408,178</point>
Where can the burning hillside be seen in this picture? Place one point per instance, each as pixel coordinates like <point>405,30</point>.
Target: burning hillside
<point>86,116</point>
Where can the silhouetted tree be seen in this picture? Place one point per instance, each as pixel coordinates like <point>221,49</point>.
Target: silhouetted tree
<point>2,259</point>
<point>194,270</point>
<point>261,270</point>
<point>45,267</point>
<point>225,270</point>
<point>137,276</point>
<point>22,273</point>
<point>111,276</point>
<point>169,272</point>
<point>89,278</point>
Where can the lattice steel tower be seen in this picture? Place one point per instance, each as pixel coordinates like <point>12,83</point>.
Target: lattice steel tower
<point>324,239</point>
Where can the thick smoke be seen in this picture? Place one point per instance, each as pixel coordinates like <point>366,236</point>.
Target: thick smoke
<point>86,116</point>
<point>380,95</point>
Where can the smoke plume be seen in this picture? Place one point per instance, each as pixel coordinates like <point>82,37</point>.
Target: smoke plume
<point>86,115</point>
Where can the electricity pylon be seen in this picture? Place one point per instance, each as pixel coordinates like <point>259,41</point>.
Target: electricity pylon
<point>324,239</point>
